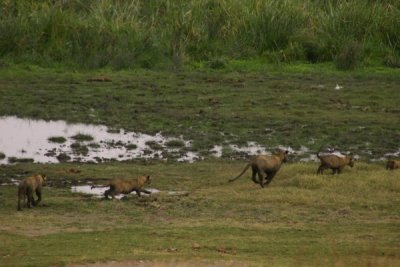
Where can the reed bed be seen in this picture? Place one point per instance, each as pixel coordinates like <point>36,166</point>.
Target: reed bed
<point>174,33</point>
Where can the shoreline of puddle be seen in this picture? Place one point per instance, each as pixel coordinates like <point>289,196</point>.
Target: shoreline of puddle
<point>98,191</point>
<point>28,140</point>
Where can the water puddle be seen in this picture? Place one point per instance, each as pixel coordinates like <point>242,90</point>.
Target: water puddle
<point>10,182</point>
<point>216,151</point>
<point>98,192</point>
<point>252,148</point>
<point>29,139</point>
<point>40,141</point>
<point>335,153</point>
<point>189,157</point>
<point>393,154</point>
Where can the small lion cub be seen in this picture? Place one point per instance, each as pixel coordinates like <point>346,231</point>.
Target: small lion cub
<point>121,186</point>
<point>29,186</point>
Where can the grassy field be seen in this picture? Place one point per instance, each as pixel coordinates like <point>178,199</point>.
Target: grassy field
<point>301,219</point>
<point>298,108</point>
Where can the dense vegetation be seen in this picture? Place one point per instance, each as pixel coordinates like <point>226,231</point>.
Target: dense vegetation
<point>174,33</point>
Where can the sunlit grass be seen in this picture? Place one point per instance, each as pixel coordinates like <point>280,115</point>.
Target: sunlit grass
<point>300,219</point>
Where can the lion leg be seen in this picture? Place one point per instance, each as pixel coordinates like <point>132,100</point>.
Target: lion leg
<point>253,175</point>
<point>137,192</point>
<point>321,169</point>
<point>21,194</point>
<point>19,202</point>
<point>39,195</point>
<point>106,193</point>
<point>261,175</point>
<point>30,201</point>
<point>145,191</point>
<point>269,178</point>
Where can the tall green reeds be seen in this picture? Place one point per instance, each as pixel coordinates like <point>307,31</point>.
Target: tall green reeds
<point>140,33</point>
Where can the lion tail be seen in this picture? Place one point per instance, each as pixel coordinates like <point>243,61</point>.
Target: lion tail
<point>244,170</point>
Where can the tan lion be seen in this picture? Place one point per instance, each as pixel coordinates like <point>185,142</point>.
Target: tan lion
<point>393,164</point>
<point>121,186</point>
<point>266,166</point>
<point>29,186</point>
<point>334,162</point>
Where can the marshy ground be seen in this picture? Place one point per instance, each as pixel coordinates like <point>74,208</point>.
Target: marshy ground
<point>220,108</point>
<point>301,219</point>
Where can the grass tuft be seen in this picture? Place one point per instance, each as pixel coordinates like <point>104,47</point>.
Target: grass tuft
<point>19,160</point>
<point>57,139</point>
<point>82,137</point>
<point>175,143</point>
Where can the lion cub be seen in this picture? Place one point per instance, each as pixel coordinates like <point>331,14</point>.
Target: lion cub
<point>393,164</point>
<point>28,186</point>
<point>334,162</point>
<point>120,186</point>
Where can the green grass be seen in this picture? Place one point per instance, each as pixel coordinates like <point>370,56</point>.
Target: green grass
<point>82,137</point>
<point>57,139</point>
<point>175,143</point>
<point>175,33</point>
<point>152,144</point>
<point>78,148</point>
<point>221,107</point>
<point>301,219</point>
<point>20,160</point>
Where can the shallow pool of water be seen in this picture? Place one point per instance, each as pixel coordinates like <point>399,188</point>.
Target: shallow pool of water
<point>11,182</point>
<point>98,192</point>
<point>26,138</point>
